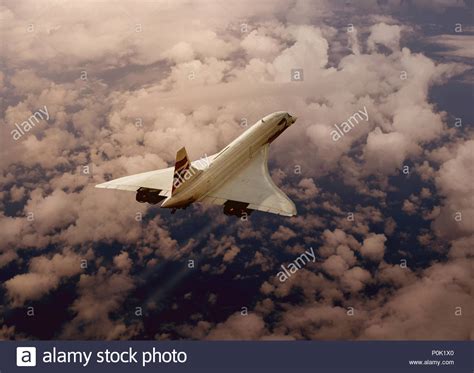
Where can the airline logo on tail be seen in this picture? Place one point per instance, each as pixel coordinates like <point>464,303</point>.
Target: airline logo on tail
<point>183,170</point>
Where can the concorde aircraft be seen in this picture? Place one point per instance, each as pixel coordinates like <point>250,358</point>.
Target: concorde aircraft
<point>236,178</point>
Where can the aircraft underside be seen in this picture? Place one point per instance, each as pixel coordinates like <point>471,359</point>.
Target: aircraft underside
<point>153,197</point>
<point>243,189</point>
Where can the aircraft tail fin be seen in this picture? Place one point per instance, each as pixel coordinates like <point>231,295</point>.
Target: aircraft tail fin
<point>181,169</point>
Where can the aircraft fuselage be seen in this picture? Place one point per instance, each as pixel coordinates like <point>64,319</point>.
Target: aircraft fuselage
<point>230,160</point>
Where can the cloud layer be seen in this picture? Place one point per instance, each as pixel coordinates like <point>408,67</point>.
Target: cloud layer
<point>388,208</point>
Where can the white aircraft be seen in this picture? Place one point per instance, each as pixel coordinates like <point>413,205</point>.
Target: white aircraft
<point>237,177</point>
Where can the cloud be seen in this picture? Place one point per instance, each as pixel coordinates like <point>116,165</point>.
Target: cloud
<point>309,188</point>
<point>258,44</point>
<point>29,286</point>
<point>427,309</point>
<point>355,279</point>
<point>105,223</point>
<point>99,295</point>
<point>409,207</point>
<point>374,247</point>
<point>123,262</point>
<point>231,254</point>
<point>318,322</point>
<point>7,257</point>
<point>387,151</point>
<point>283,234</point>
<point>309,52</point>
<point>181,52</point>
<point>157,80</point>
<point>335,266</point>
<point>238,326</point>
<point>395,274</point>
<point>45,275</point>
<point>383,34</point>
<point>454,180</point>
<point>455,45</point>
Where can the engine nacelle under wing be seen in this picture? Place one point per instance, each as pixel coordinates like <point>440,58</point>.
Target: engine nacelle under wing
<point>152,196</point>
